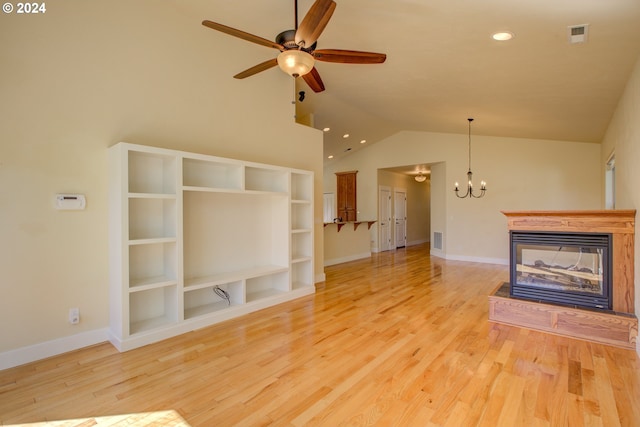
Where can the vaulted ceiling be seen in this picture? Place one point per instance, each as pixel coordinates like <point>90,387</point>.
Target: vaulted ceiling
<point>443,66</point>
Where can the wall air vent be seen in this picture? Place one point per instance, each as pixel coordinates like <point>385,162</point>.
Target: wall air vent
<point>437,240</point>
<point>578,33</point>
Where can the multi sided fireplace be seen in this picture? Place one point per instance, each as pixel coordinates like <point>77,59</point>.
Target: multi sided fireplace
<point>564,268</point>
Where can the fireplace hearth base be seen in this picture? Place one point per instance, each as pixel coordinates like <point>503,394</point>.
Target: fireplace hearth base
<point>604,327</point>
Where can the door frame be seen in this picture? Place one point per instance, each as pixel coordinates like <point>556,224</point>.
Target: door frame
<point>384,242</point>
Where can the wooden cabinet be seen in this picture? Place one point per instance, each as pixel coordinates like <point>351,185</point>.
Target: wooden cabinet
<point>347,196</point>
<point>198,239</point>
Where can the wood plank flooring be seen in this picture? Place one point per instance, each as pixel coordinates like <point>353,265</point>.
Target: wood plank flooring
<point>401,339</point>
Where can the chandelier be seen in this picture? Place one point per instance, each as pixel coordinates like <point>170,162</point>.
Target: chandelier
<point>483,185</point>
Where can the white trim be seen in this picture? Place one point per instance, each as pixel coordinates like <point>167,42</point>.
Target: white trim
<point>328,262</point>
<point>21,356</point>
<point>437,253</point>
<point>418,242</point>
<point>500,261</point>
<point>320,278</point>
<point>483,260</point>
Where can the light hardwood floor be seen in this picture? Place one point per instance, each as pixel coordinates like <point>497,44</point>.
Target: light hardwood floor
<point>400,339</point>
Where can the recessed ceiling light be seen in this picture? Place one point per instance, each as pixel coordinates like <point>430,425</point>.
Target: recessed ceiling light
<point>502,36</point>
<point>346,135</point>
<point>363,141</point>
<point>326,129</point>
<point>330,157</point>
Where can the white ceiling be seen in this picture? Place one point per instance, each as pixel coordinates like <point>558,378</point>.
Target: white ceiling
<point>443,66</point>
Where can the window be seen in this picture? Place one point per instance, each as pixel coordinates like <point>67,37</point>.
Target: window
<point>610,184</point>
<point>329,207</point>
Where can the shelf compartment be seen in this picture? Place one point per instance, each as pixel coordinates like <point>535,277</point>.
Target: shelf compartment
<point>261,287</point>
<point>301,216</point>
<point>229,232</point>
<point>231,276</point>
<point>151,309</point>
<point>301,274</point>
<point>262,179</point>
<point>204,301</point>
<point>301,245</point>
<point>302,186</point>
<point>151,218</point>
<point>211,174</point>
<point>153,263</point>
<point>151,173</point>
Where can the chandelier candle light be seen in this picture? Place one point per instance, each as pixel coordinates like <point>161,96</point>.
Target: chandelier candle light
<point>483,185</point>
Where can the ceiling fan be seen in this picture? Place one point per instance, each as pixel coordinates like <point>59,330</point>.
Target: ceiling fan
<point>297,47</point>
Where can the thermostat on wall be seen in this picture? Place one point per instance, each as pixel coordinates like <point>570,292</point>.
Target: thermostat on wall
<point>70,202</point>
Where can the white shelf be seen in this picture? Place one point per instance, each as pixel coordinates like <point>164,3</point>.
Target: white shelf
<point>205,309</point>
<point>151,173</point>
<point>301,186</point>
<point>182,224</point>
<point>152,308</point>
<point>170,196</point>
<point>266,180</point>
<point>152,241</point>
<point>302,273</point>
<point>212,174</point>
<point>204,301</point>
<point>150,324</point>
<point>263,294</point>
<point>152,218</point>
<point>221,278</point>
<point>147,283</point>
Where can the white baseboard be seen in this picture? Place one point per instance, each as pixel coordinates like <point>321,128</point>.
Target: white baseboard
<point>334,261</point>
<point>21,356</point>
<point>483,260</point>
<point>418,242</point>
<point>320,278</point>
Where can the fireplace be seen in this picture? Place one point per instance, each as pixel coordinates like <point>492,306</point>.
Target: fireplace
<point>575,275</point>
<point>573,269</point>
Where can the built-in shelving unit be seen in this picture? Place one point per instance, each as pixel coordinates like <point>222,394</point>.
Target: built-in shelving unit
<point>198,239</point>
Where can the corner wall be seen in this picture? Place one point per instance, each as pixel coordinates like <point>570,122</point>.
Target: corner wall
<point>623,138</point>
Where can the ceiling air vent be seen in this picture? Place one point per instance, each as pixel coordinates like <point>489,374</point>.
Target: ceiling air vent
<point>578,33</point>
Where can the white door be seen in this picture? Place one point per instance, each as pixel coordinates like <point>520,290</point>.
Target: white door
<point>400,209</point>
<point>384,219</point>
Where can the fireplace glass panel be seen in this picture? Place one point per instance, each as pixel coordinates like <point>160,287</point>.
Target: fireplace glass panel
<point>569,269</point>
<point>565,268</point>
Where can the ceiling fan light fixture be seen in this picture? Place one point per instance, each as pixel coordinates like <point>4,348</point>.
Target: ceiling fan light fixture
<point>296,63</point>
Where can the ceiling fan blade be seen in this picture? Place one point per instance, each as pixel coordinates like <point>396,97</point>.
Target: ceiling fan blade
<point>349,56</point>
<point>314,22</point>
<point>243,35</point>
<point>257,68</point>
<point>314,81</point>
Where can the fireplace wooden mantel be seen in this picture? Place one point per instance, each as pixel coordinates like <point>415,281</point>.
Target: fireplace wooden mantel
<point>619,327</point>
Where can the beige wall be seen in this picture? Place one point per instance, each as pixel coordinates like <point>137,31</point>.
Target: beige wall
<point>623,138</point>
<point>521,174</point>
<point>90,74</point>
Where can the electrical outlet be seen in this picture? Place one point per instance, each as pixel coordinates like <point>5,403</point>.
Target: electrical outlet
<point>74,316</point>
